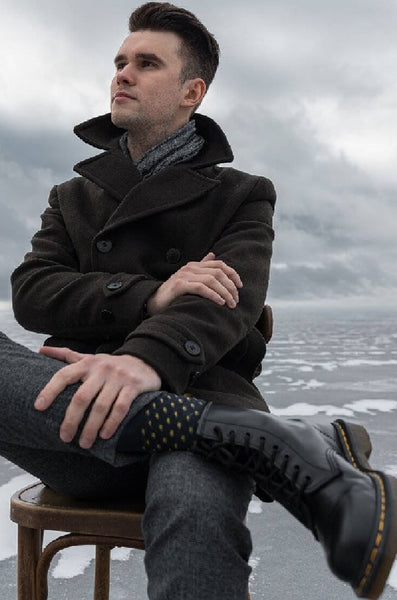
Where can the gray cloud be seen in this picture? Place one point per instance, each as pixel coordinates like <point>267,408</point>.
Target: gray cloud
<point>305,92</point>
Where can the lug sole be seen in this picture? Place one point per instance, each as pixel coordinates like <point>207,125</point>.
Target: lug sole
<point>384,551</point>
<point>357,447</point>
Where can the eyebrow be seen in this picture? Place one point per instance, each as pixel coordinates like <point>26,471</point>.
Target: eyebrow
<point>141,56</point>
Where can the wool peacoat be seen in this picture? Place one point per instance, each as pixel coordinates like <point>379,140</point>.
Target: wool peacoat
<point>109,238</point>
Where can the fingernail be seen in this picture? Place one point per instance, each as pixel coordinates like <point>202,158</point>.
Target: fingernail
<point>40,403</point>
<point>65,437</point>
<point>84,443</point>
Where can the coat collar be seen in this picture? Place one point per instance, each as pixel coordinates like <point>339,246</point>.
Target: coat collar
<point>114,172</point>
<point>101,133</point>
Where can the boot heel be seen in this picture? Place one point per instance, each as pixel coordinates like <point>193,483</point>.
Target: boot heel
<point>373,583</point>
<point>356,444</point>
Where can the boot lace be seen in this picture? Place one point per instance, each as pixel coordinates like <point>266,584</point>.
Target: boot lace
<point>271,477</point>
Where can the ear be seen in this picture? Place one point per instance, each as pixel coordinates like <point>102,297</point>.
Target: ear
<point>194,92</point>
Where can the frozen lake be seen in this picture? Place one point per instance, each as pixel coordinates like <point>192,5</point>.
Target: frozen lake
<point>321,364</point>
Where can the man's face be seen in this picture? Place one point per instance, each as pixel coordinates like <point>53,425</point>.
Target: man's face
<point>146,91</point>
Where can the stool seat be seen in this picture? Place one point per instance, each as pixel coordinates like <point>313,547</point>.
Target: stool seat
<point>39,507</point>
<point>105,524</point>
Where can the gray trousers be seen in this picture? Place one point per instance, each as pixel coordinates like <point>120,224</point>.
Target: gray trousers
<point>197,546</point>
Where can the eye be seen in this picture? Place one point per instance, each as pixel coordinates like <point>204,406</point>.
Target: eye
<point>120,66</point>
<point>147,64</point>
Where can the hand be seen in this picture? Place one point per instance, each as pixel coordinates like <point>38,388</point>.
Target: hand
<point>109,386</point>
<point>209,278</point>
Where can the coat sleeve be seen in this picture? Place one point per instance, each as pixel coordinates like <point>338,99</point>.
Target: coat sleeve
<point>193,333</point>
<point>50,295</point>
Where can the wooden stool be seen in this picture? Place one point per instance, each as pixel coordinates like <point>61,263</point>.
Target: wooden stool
<point>36,508</point>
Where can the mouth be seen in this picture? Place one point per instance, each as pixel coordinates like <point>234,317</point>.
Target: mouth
<point>120,96</point>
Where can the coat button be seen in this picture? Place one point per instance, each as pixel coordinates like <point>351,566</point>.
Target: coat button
<point>173,256</point>
<point>192,348</point>
<point>107,315</point>
<point>104,246</point>
<point>114,285</point>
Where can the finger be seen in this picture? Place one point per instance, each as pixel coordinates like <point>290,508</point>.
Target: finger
<point>217,264</point>
<point>209,256</point>
<point>67,376</point>
<point>199,288</point>
<point>78,405</point>
<point>63,354</point>
<point>217,280</point>
<point>119,411</point>
<point>98,413</point>
<point>224,287</point>
<point>229,271</point>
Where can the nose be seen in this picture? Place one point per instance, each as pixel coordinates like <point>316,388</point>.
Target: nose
<point>126,75</point>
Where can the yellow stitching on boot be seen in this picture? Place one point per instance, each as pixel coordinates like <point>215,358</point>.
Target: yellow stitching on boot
<point>381,525</point>
<point>378,539</point>
<point>347,446</point>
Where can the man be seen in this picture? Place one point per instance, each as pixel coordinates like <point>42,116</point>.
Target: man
<point>150,274</point>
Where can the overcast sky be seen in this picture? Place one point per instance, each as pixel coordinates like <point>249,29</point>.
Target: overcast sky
<point>306,92</point>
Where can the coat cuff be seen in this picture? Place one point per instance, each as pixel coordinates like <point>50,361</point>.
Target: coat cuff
<point>125,301</point>
<point>177,369</point>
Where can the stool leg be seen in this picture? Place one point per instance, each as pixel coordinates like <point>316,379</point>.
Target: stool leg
<point>29,550</point>
<point>102,572</point>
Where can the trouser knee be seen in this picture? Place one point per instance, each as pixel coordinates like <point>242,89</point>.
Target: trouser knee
<point>194,506</point>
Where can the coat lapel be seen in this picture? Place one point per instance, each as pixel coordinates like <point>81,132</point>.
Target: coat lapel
<point>167,190</point>
<point>112,172</point>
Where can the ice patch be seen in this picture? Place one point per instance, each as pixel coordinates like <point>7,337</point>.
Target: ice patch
<point>307,385</point>
<point>121,554</point>
<point>254,561</point>
<point>391,470</point>
<point>313,384</point>
<point>72,561</point>
<point>303,409</point>
<point>392,581</point>
<point>255,507</point>
<point>8,529</point>
<point>301,364</point>
<point>366,406</point>
<point>298,383</point>
<point>365,362</point>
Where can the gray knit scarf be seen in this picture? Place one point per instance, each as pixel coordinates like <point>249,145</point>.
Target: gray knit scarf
<point>181,146</point>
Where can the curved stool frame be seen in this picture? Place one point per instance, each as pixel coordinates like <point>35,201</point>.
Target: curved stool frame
<point>36,509</point>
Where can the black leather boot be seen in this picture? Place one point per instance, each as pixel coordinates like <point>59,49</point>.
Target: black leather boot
<point>350,508</point>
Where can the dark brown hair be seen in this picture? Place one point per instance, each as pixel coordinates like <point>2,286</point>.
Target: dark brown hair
<point>199,48</point>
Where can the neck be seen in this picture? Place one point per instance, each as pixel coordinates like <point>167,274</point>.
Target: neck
<point>141,139</point>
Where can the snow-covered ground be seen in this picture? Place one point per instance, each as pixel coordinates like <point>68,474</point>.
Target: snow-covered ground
<point>321,365</point>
